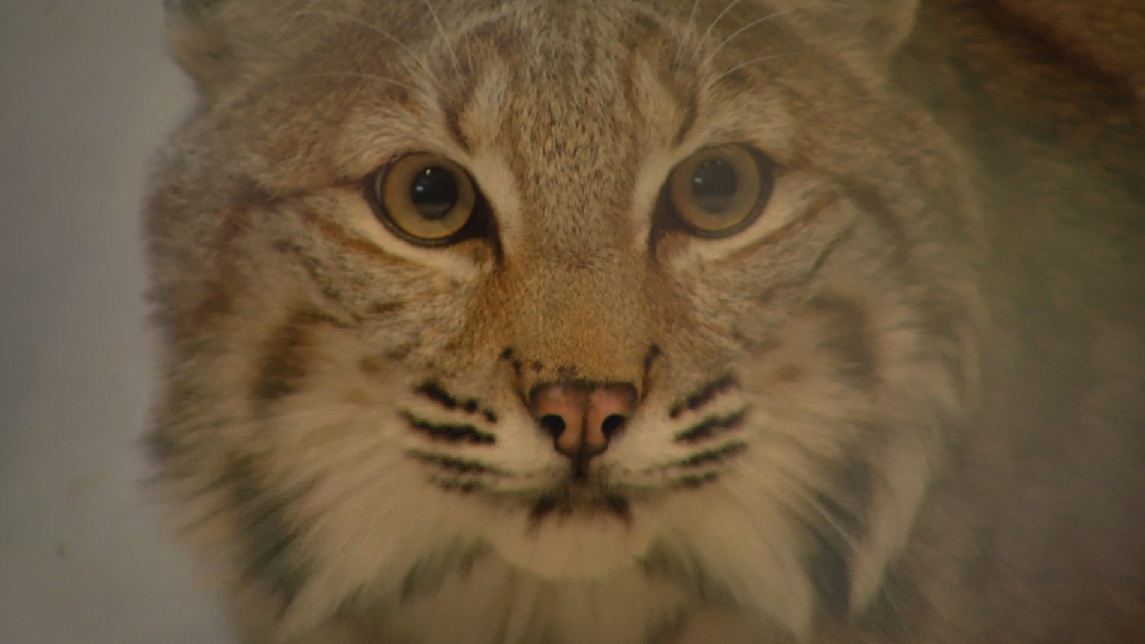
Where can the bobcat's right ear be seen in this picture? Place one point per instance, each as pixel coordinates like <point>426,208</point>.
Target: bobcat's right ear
<point>200,39</point>
<point>864,31</point>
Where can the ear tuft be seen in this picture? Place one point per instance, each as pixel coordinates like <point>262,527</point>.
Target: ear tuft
<point>871,29</point>
<point>888,23</point>
<point>197,39</point>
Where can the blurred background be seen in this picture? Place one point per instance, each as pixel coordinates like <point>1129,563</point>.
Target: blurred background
<point>86,96</point>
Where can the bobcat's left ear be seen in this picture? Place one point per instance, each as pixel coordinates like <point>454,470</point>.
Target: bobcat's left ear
<point>198,38</point>
<point>219,41</point>
<point>866,31</point>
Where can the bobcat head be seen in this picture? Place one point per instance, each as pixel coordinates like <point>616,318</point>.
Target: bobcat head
<point>583,287</point>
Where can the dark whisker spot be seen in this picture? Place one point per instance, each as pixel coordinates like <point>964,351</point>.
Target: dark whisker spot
<point>435,392</point>
<point>704,396</point>
<point>454,464</point>
<point>711,426</point>
<point>696,481</point>
<point>448,432</point>
<point>713,456</point>
<point>458,486</point>
<point>510,356</point>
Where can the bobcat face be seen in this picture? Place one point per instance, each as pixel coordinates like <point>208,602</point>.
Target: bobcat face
<point>583,287</point>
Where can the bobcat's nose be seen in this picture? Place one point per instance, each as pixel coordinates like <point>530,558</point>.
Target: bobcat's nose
<point>582,417</point>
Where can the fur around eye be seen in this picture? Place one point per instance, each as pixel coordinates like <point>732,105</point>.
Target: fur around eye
<point>720,190</point>
<point>423,198</point>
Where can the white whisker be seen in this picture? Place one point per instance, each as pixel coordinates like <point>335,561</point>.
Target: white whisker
<point>715,51</point>
<point>377,30</point>
<point>715,21</point>
<point>688,33</point>
<point>715,80</point>
<point>444,37</point>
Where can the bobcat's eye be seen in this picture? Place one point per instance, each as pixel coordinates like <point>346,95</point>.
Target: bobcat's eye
<point>424,198</point>
<point>720,190</point>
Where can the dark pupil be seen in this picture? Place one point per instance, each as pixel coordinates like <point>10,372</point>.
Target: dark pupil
<point>433,192</point>
<point>714,184</point>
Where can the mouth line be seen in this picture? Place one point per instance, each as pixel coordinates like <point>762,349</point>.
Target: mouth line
<point>579,497</point>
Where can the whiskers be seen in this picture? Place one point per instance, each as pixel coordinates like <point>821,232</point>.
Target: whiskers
<point>688,31</point>
<point>417,61</point>
<point>733,35</point>
<point>444,37</point>
<point>337,15</point>
<point>704,53</point>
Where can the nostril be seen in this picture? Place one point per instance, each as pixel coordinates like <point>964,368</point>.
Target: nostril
<point>612,424</point>
<point>553,424</point>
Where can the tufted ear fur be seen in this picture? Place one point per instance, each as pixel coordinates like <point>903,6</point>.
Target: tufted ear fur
<point>867,32</point>
<point>198,40</point>
<point>217,41</point>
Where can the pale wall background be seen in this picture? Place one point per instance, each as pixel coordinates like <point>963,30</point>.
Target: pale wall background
<point>86,94</point>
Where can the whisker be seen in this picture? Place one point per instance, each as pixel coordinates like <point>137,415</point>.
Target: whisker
<point>688,33</point>
<point>704,395</point>
<point>714,81</point>
<point>828,518</point>
<point>771,16</point>
<point>444,37</point>
<point>778,553</point>
<point>715,21</point>
<point>712,426</point>
<point>374,28</point>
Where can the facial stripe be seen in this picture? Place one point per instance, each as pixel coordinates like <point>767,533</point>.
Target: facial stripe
<point>695,481</point>
<point>286,356</point>
<point>335,234</point>
<point>713,456</point>
<point>454,465</point>
<point>703,396</point>
<point>436,393</point>
<point>801,222</point>
<point>711,427</point>
<point>848,339</point>
<point>449,433</point>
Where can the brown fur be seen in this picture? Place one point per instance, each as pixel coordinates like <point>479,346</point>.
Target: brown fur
<point>904,406</point>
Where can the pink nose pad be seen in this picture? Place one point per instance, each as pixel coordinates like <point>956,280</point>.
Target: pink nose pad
<point>582,418</point>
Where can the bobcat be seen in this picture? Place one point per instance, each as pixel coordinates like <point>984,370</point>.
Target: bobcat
<point>634,321</point>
